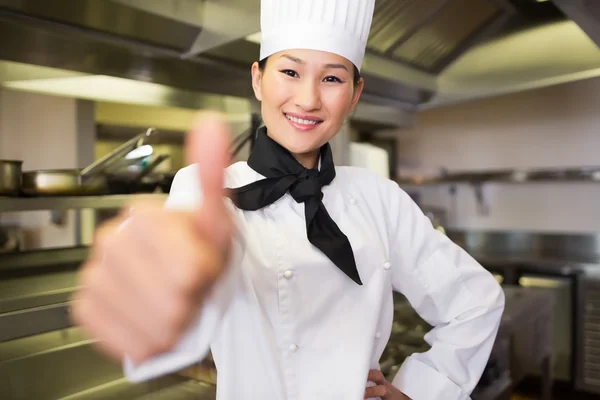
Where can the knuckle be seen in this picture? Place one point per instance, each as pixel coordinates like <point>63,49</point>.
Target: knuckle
<point>377,391</point>
<point>382,391</point>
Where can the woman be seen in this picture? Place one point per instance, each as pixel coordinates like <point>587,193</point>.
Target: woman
<point>290,283</point>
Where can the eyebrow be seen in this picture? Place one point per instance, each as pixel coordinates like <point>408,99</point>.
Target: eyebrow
<point>300,61</point>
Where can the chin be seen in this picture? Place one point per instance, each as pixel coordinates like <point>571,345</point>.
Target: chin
<point>296,144</point>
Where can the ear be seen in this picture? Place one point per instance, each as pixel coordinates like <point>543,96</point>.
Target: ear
<point>256,81</point>
<point>357,92</point>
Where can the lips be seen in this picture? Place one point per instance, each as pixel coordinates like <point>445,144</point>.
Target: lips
<point>303,120</point>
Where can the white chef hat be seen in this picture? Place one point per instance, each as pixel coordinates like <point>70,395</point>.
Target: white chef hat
<point>336,26</point>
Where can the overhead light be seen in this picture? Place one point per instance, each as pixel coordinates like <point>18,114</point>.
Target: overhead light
<point>140,152</point>
<point>541,1</point>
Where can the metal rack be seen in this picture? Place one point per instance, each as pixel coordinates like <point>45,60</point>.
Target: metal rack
<point>40,258</point>
<point>47,311</point>
<point>34,321</point>
<point>12,204</point>
<point>542,175</point>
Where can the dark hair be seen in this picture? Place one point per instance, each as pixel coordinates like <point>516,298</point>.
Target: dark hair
<point>263,63</point>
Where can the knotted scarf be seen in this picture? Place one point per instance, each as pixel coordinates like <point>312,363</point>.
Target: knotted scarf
<point>283,173</point>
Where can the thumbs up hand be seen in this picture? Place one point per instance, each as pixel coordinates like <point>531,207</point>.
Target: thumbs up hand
<point>150,267</point>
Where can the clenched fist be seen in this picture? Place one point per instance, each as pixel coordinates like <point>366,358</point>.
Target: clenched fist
<point>150,268</point>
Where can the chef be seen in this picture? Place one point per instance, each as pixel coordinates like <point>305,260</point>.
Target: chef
<point>284,266</point>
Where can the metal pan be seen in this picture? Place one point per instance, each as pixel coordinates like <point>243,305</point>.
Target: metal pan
<point>75,182</point>
<point>122,184</point>
<point>10,177</point>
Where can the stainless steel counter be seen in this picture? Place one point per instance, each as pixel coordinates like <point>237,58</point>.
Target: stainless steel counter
<point>570,265</point>
<point>11,204</point>
<point>35,301</point>
<point>530,247</point>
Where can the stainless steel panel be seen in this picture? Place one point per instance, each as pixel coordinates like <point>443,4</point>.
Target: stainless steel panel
<point>530,247</point>
<point>38,344</point>
<point>586,13</point>
<point>69,202</point>
<point>64,365</point>
<point>111,18</point>
<point>35,300</point>
<point>588,367</point>
<point>29,284</point>
<point>562,321</point>
<point>10,177</point>
<point>19,324</point>
<point>40,258</point>
<point>168,388</point>
<point>431,46</point>
<point>553,258</point>
<point>30,35</point>
<point>575,174</point>
<point>56,373</point>
<point>64,47</point>
<point>431,34</point>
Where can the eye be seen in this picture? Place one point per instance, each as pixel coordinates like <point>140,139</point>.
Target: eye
<point>289,72</point>
<point>332,79</point>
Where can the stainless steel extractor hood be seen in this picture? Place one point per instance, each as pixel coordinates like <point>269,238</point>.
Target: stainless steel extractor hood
<point>586,13</point>
<point>420,52</point>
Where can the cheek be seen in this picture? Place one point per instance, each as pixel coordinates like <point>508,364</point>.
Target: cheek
<point>275,91</point>
<point>337,102</point>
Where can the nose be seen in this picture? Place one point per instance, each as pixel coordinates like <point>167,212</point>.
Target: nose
<point>308,96</point>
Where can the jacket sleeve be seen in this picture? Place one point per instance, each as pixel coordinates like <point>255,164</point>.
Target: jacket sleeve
<point>194,346</point>
<point>453,293</point>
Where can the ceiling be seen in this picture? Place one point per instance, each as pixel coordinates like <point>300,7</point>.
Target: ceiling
<point>197,53</point>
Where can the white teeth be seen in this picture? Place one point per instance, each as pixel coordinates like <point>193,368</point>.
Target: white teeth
<point>301,121</point>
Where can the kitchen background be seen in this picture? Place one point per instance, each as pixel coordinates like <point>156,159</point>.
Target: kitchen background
<point>485,111</point>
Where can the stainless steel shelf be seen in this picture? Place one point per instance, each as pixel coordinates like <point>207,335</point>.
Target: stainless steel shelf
<point>549,175</point>
<point>34,321</point>
<point>43,258</point>
<point>11,204</point>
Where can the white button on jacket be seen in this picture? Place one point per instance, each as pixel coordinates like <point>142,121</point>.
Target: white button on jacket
<point>317,335</point>
<point>288,274</point>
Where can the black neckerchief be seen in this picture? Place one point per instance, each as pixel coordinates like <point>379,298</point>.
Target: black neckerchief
<point>282,174</point>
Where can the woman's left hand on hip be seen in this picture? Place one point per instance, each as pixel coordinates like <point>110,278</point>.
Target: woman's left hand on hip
<point>383,389</point>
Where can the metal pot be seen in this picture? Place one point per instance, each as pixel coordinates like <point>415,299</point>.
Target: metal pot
<point>75,182</point>
<point>10,177</point>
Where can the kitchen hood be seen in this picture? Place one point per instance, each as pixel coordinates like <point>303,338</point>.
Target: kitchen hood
<point>586,13</point>
<point>421,53</point>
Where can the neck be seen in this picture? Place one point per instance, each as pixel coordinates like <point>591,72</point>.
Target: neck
<point>308,160</point>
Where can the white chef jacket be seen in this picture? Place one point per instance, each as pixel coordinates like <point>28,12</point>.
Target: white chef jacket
<point>285,323</point>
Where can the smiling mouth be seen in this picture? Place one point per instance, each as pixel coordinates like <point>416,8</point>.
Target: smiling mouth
<point>302,121</point>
